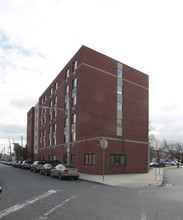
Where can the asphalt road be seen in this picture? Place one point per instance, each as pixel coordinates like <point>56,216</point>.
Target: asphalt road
<point>32,196</point>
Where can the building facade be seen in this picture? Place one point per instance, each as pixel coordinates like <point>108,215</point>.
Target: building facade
<point>30,134</point>
<point>92,98</point>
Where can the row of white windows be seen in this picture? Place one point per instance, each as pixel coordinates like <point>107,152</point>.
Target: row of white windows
<point>73,134</point>
<point>52,141</point>
<point>74,84</point>
<point>119,91</point>
<point>73,121</point>
<point>49,157</point>
<point>74,67</point>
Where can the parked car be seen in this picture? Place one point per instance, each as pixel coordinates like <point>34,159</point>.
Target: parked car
<point>36,166</point>
<point>46,169</point>
<point>169,163</point>
<point>177,163</point>
<point>26,164</point>
<point>65,171</point>
<point>15,163</point>
<point>154,164</point>
<point>19,163</point>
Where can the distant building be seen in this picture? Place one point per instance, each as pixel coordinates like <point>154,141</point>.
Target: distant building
<point>36,129</point>
<point>106,99</point>
<point>30,134</point>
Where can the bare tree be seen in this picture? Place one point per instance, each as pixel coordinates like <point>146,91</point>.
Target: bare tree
<point>151,134</point>
<point>175,148</point>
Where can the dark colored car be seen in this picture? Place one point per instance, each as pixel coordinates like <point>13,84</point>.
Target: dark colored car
<point>36,166</point>
<point>26,164</point>
<point>46,169</point>
<point>65,171</point>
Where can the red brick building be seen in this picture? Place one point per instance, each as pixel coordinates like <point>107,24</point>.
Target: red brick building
<point>30,134</point>
<point>106,99</point>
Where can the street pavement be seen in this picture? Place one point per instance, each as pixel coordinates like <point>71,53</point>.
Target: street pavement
<point>153,178</point>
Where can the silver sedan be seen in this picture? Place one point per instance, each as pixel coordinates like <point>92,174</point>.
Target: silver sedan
<point>65,171</point>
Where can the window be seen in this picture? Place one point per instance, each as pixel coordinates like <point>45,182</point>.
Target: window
<point>54,157</point>
<point>73,136</point>
<point>50,130</point>
<point>45,98</point>
<point>67,74</point>
<point>72,158</point>
<point>43,143</point>
<point>49,141</point>
<point>119,89</point>
<point>74,66</point>
<point>65,138</point>
<point>89,159</point>
<point>56,86</point>
<point>54,140</point>
<point>51,91</point>
<point>55,113</point>
<point>74,101</point>
<point>120,72</point>
<point>66,106</point>
<point>50,116</point>
<point>51,103</point>
<point>119,106</point>
<point>119,123</point>
<point>117,160</point>
<point>74,83</point>
<point>54,127</point>
<point>65,122</point>
<point>55,100</point>
<point>73,119</point>
<point>67,90</point>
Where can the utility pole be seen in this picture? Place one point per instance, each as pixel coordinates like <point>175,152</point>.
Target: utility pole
<point>22,141</point>
<point>10,147</point>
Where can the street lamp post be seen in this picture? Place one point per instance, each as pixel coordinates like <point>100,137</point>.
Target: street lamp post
<point>67,112</point>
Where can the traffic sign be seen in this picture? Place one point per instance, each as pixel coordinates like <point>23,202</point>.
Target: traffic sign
<point>103,143</point>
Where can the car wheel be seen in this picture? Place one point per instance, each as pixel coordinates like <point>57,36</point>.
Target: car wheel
<point>34,170</point>
<point>60,176</point>
<point>51,175</point>
<point>46,174</point>
<point>41,172</point>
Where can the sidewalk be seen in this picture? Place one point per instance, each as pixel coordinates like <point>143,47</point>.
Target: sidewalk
<point>128,180</point>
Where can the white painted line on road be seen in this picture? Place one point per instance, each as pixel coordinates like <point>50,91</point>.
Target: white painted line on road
<point>92,188</point>
<point>56,207</point>
<point>142,214</point>
<point>168,185</point>
<point>17,207</point>
<point>45,216</point>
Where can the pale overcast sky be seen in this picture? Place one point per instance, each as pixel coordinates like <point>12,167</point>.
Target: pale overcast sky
<point>38,38</point>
